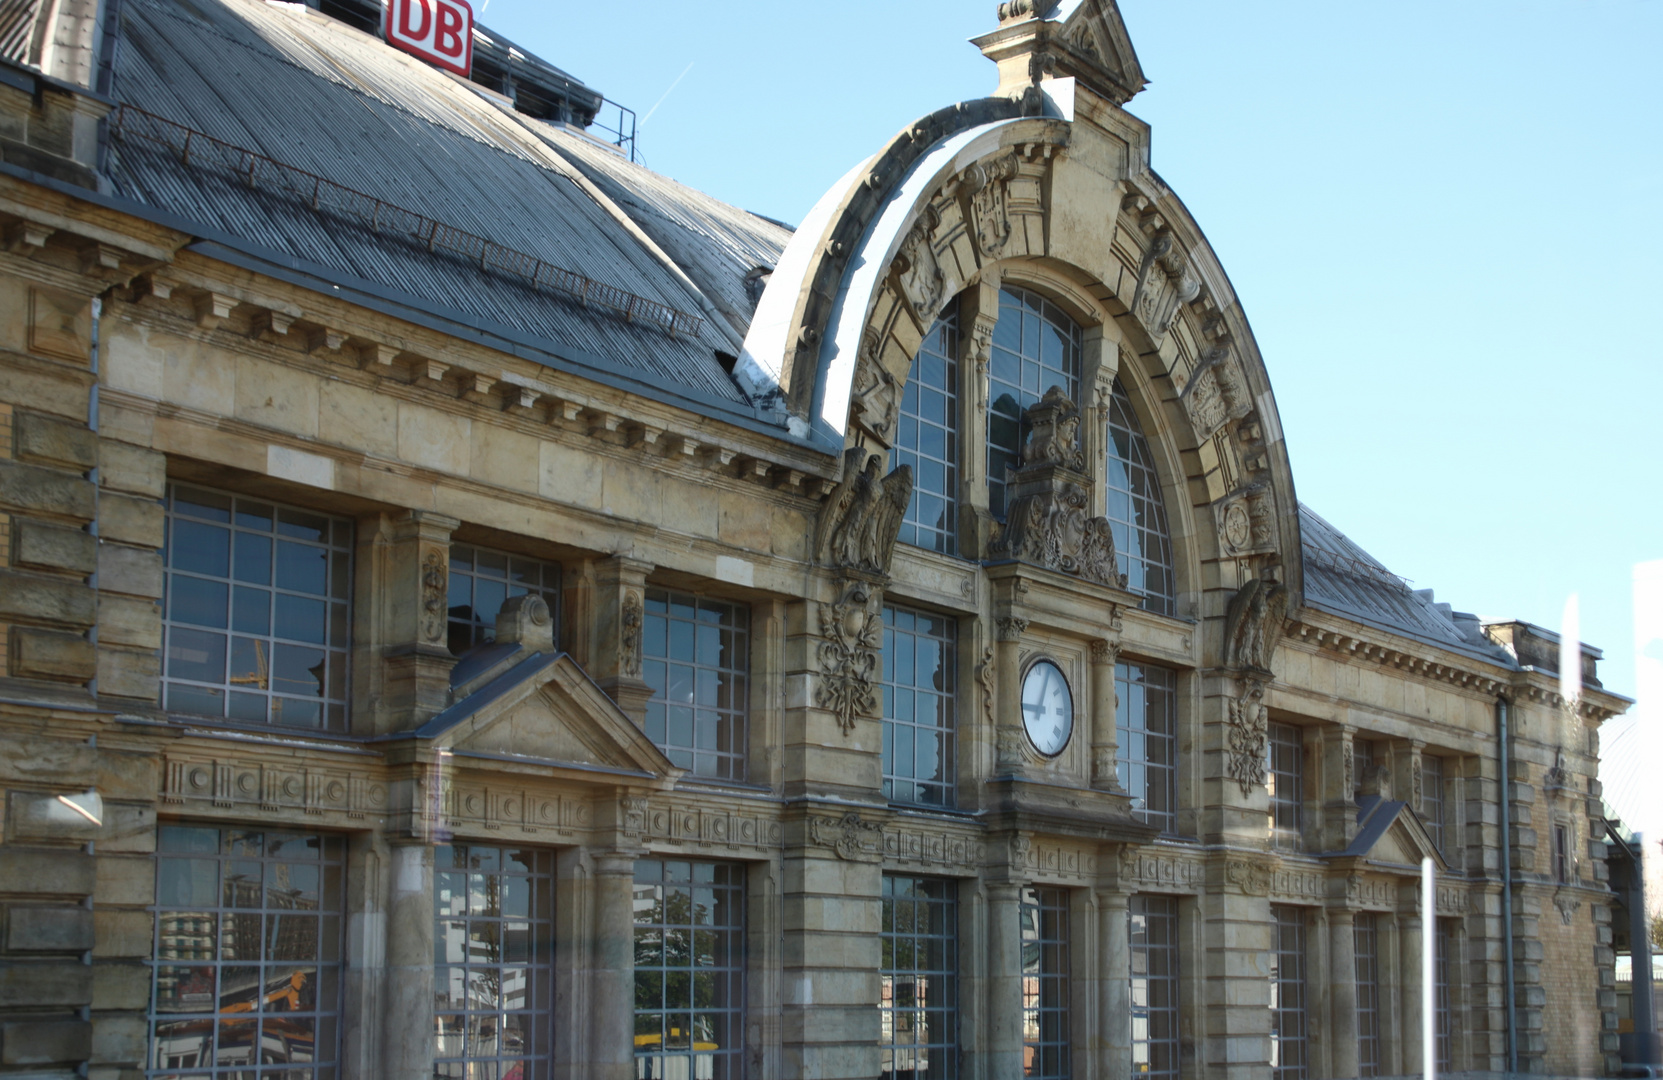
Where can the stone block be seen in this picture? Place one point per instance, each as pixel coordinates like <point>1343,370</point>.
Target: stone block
<point>42,815</point>
<point>127,620</point>
<point>52,654</point>
<point>60,928</point>
<point>23,596</point>
<point>130,520</point>
<point>128,829</point>
<point>38,872</point>
<point>273,395</point>
<point>46,761</point>
<point>119,986</point>
<point>129,881</point>
<point>40,489</point>
<point>48,984</point>
<point>119,1039</point>
<point>370,418</point>
<point>133,571</point>
<point>45,1042</point>
<point>60,393</point>
<point>122,775</point>
<point>42,545</point>
<point>129,674</point>
<point>122,933</point>
<point>125,467</point>
<point>48,440</point>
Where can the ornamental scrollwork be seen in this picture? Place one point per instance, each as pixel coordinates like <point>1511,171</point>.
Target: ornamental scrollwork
<point>1250,878</point>
<point>853,839</point>
<point>629,618</point>
<point>984,680</point>
<point>852,629</point>
<point>1247,737</point>
<point>1253,628</point>
<point>435,578</point>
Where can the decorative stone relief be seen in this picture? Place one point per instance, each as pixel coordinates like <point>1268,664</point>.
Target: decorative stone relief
<point>1254,625</point>
<point>987,184</point>
<point>1165,281</point>
<point>933,848</point>
<point>1347,770</point>
<point>984,680</point>
<point>861,518</point>
<point>1246,521</point>
<point>265,788</point>
<point>1247,737</point>
<point>1291,884</point>
<point>852,630</point>
<point>1246,877</point>
<point>435,582</point>
<point>921,279</point>
<point>629,621</point>
<point>681,824</point>
<point>1147,871</point>
<point>1215,393</point>
<point>494,808</point>
<point>1010,628</point>
<point>1053,433</point>
<point>1415,783</point>
<point>849,836</point>
<point>877,395</point>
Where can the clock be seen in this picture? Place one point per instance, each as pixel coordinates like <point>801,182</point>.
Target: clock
<point>1047,708</point>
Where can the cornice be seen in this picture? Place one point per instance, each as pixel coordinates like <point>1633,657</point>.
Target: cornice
<point>1388,651</point>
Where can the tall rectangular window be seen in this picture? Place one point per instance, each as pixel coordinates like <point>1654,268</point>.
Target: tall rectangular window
<point>1365,936</point>
<point>256,610</point>
<point>696,658</point>
<point>481,581</point>
<point>918,1001</point>
<point>1289,1019</point>
<point>1154,956</point>
<point>689,970</point>
<point>493,975</point>
<point>920,684</point>
<point>927,438</point>
<point>1562,867</point>
<point>1035,346</point>
<point>1286,782</point>
<point>247,954</point>
<point>1146,716</point>
<point>1444,1049</point>
<point>1367,758</point>
<point>1045,973</point>
<point>1432,798</point>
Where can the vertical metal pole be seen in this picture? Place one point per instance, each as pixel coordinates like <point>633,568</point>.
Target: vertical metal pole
<point>1428,967</point>
<point>1507,883</point>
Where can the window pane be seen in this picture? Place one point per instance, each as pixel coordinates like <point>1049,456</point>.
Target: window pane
<point>927,439</point>
<point>702,648</point>
<point>1288,1023</point>
<point>1143,544</point>
<point>689,970</point>
<point>1147,752</point>
<point>920,654</point>
<point>1037,346</point>
<point>1153,936</point>
<point>918,995</point>
<point>1045,975</point>
<point>1285,779</point>
<point>481,581</point>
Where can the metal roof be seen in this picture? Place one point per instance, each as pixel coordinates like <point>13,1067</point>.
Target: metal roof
<point>321,97</point>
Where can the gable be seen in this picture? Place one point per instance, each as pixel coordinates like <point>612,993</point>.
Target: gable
<point>1391,834</point>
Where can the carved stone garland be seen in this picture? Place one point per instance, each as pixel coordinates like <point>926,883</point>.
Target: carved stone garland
<point>630,619</point>
<point>1252,630</point>
<point>435,579</point>
<point>1248,732</point>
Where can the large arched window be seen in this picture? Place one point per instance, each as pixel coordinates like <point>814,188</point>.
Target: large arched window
<point>927,438</point>
<point>1135,510</point>
<point>1035,346</point>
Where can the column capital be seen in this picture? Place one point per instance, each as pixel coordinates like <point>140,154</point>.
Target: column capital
<point>425,525</point>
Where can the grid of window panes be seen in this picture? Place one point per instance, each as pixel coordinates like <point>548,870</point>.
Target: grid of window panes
<point>1154,956</point>
<point>493,964</point>
<point>481,581</point>
<point>689,970</point>
<point>1289,1020</point>
<point>1035,346</point>
<point>246,976</point>
<point>919,703</point>
<point>927,438</point>
<point>1136,511</point>
<point>918,1000</point>
<point>256,611</point>
<point>1363,751</point>
<point>1365,937</point>
<point>1432,798</point>
<point>1045,973</point>
<point>1443,1042</point>
<point>1146,716</point>
<point>1286,781</point>
<point>696,655</point>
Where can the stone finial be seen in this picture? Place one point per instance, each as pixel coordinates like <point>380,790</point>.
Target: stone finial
<point>525,621</point>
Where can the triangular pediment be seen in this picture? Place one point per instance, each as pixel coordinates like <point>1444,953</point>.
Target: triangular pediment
<point>1096,34</point>
<point>1390,834</point>
<point>546,709</point>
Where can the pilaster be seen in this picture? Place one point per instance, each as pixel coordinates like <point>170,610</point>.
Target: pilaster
<point>1004,979</point>
<point>1342,992</point>
<point>407,1046</point>
<point>1114,1002</point>
<point>611,985</point>
<point>1104,735</point>
<point>414,567</point>
<point>1411,933</point>
<point>618,613</point>
<point>978,314</point>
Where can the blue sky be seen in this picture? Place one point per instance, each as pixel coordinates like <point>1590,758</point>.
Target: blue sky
<point>1445,222</point>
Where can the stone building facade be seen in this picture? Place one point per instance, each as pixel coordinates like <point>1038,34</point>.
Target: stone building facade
<point>472,607</point>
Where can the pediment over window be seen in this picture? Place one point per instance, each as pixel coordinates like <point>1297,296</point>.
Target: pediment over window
<point>542,707</point>
<point>1390,835</point>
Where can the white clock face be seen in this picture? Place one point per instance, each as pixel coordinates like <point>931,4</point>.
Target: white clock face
<point>1047,708</point>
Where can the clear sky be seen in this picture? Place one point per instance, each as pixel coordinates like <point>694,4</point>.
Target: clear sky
<point>1444,219</point>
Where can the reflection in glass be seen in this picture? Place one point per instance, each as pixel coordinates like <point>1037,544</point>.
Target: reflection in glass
<point>689,969</point>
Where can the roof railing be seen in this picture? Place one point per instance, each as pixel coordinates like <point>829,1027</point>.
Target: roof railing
<point>197,149</point>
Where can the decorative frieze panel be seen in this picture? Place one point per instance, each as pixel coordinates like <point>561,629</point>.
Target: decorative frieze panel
<point>945,849</point>
<point>1375,892</point>
<point>1297,884</point>
<point>266,788</point>
<point>1248,878</point>
<point>1150,871</point>
<point>1053,861</point>
<point>468,807</point>
<point>852,838</point>
<point>1246,521</point>
<point>658,822</point>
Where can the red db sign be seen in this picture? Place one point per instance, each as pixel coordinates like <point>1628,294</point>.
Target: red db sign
<point>438,31</point>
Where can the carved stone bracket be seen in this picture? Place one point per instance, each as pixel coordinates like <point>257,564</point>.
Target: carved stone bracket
<point>1247,737</point>
<point>1246,521</point>
<point>849,836</point>
<point>1568,906</point>
<point>1165,281</point>
<point>1254,625</point>
<point>862,516</point>
<point>852,629</point>
<point>1215,393</point>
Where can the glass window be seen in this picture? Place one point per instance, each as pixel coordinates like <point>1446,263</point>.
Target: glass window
<point>689,970</point>
<point>918,1000</point>
<point>1365,936</point>
<point>697,655</point>
<point>1146,715</point>
<point>1432,798</point>
<point>1367,755</point>
<point>1288,1019</point>
<point>927,438</point>
<point>1444,1050</point>
<point>481,581</point>
<point>1562,868</point>
<point>493,963</point>
<point>1045,972</point>
<point>1154,945</point>
<point>247,953</point>
<point>1286,781</point>
<point>257,610</point>
<point>1035,346</point>
<point>1136,512</point>
<point>919,705</point>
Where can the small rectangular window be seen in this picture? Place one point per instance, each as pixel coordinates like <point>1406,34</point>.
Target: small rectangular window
<point>1045,974</point>
<point>1285,780</point>
<point>1365,938</point>
<point>481,581</point>
<point>247,953</point>
<point>1146,716</point>
<point>1432,798</point>
<point>918,1001</point>
<point>927,439</point>
<point>697,658</point>
<point>689,969</point>
<point>1154,957</point>
<point>1289,1021</point>
<point>920,687</point>
<point>1563,868</point>
<point>257,610</point>
<point>493,975</point>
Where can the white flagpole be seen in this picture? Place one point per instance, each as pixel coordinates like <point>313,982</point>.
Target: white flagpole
<point>1428,968</point>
